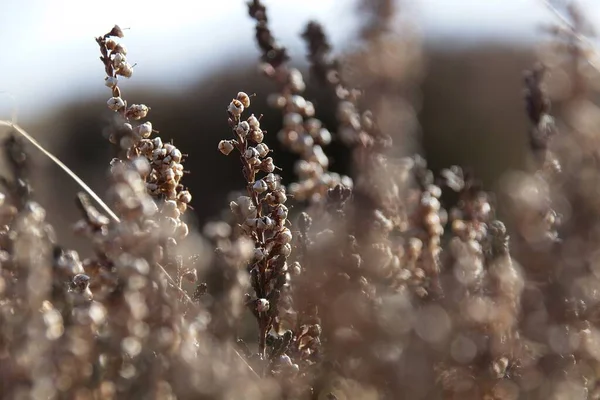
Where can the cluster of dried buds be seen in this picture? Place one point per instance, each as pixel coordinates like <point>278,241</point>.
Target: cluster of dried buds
<point>262,216</point>
<point>165,169</point>
<point>302,133</point>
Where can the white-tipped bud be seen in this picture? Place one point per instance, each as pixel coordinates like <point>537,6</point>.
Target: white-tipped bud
<point>243,128</point>
<point>260,186</point>
<point>226,146</point>
<point>267,165</point>
<point>262,149</point>
<point>253,122</point>
<point>244,99</point>
<point>119,60</point>
<point>281,211</point>
<point>251,152</point>
<point>286,250</point>
<point>284,236</point>
<point>125,70</point>
<point>145,130</point>
<point>235,108</point>
<point>262,305</point>
<point>185,197</point>
<point>115,103</point>
<point>111,81</point>
<point>176,155</point>
<point>170,209</point>
<point>137,111</point>
<point>257,135</point>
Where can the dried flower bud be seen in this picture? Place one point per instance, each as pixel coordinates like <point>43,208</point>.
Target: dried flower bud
<point>242,128</point>
<point>144,130</point>
<point>284,236</point>
<point>260,186</point>
<point>251,152</point>
<point>170,209</point>
<point>262,149</point>
<point>296,268</point>
<point>137,111</point>
<point>253,122</point>
<point>285,250</point>
<point>236,108</point>
<point>226,146</point>
<point>116,31</point>
<point>281,212</point>
<point>262,305</point>
<point>244,99</point>
<point>257,136</point>
<point>125,70</point>
<point>115,103</point>
<point>111,81</point>
<point>267,165</point>
<point>119,48</point>
<point>184,196</point>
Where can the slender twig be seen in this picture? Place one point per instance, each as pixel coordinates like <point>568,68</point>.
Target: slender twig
<point>69,172</point>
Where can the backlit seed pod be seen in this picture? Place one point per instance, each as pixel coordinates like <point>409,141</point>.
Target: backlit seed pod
<point>251,152</point>
<point>242,129</point>
<point>292,120</point>
<point>296,268</point>
<point>184,196</point>
<point>262,305</point>
<point>110,44</point>
<point>137,111</point>
<point>253,122</point>
<point>244,99</point>
<point>284,236</point>
<point>285,250</point>
<point>281,211</point>
<point>260,186</point>
<point>267,165</point>
<point>111,81</point>
<point>170,209</point>
<point>176,155</point>
<point>118,60</point>
<point>125,70</point>
<point>182,230</point>
<point>157,142</point>
<point>235,108</point>
<point>144,130</point>
<point>119,48</point>
<point>262,149</point>
<point>257,136</point>
<point>115,103</point>
<point>225,146</point>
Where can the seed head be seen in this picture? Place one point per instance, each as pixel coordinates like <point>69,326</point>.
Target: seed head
<point>115,103</point>
<point>225,146</point>
<point>244,99</point>
<point>236,108</point>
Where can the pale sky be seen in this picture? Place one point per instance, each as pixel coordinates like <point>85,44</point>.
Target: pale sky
<point>50,53</point>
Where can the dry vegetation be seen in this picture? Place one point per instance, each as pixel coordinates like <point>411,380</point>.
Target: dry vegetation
<point>389,283</point>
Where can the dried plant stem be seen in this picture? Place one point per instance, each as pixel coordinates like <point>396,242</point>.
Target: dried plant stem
<point>69,172</point>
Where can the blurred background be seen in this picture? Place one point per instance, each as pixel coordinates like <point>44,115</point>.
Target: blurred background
<point>193,56</point>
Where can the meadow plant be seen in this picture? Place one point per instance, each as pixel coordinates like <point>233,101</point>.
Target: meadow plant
<point>371,285</point>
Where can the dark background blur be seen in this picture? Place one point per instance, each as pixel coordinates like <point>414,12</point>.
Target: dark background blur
<point>469,106</point>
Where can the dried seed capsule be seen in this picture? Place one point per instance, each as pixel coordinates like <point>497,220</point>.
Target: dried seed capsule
<point>184,196</point>
<point>244,99</point>
<point>262,149</point>
<point>260,186</point>
<point>257,136</point>
<point>262,305</point>
<point>225,146</point>
<point>111,81</point>
<point>284,236</point>
<point>253,122</point>
<point>125,70</point>
<point>236,108</point>
<point>144,130</point>
<point>137,111</point>
<point>115,103</point>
